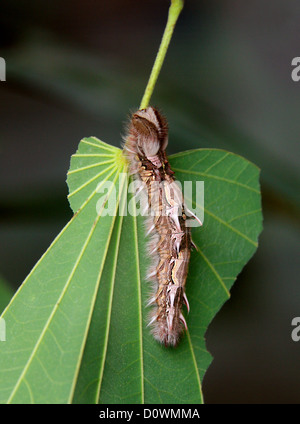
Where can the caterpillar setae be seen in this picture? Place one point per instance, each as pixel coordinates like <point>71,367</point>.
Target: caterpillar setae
<point>170,244</point>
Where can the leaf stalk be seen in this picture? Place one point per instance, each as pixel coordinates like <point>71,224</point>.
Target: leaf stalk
<point>174,12</point>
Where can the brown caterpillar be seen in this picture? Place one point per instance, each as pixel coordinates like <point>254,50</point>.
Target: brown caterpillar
<point>171,242</point>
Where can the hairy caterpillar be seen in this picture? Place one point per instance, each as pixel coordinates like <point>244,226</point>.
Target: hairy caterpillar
<point>171,243</point>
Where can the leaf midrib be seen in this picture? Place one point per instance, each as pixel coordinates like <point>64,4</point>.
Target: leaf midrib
<point>107,329</point>
<point>139,305</point>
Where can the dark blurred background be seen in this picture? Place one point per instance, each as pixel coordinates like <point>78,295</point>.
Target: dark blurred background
<point>76,68</point>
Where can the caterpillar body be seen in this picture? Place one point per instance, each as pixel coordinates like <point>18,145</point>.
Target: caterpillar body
<point>170,244</point>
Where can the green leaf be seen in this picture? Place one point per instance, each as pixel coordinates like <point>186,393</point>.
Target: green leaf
<point>77,328</point>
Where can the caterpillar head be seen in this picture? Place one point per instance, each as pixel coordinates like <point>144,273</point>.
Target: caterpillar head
<point>151,130</point>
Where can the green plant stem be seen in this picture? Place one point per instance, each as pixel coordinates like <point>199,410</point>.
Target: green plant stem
<point>174,12</point>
